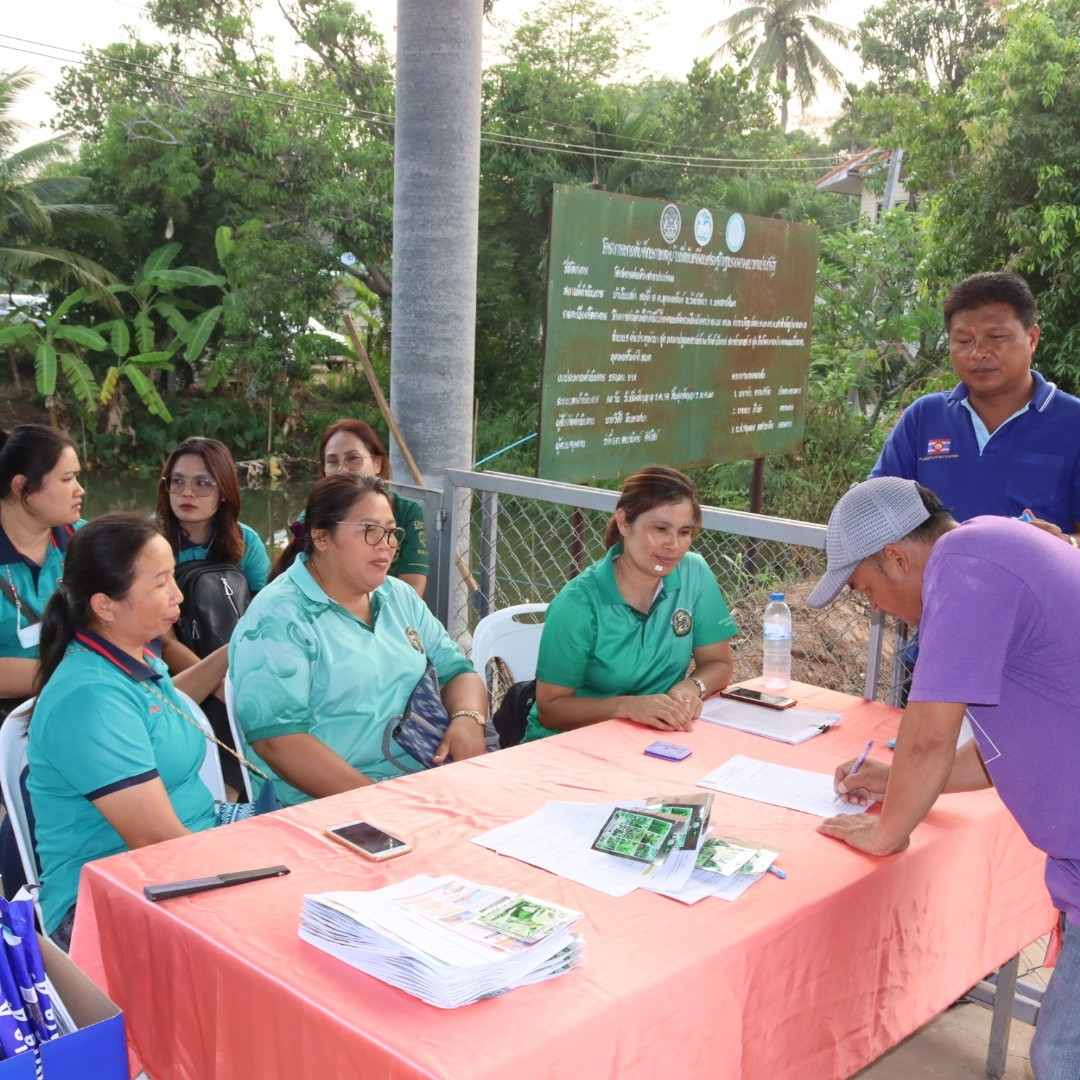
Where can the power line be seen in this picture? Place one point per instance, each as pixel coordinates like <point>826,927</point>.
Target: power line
<point>318,106</point>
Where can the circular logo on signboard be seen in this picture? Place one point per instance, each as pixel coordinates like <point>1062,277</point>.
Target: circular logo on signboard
<point>735,233</point>
<point>670,223</point>
<point>703,227</point>
<point>681,622</point>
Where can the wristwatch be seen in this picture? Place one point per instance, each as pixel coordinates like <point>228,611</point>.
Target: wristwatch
<point>477,716</point>
<point>702,688</point>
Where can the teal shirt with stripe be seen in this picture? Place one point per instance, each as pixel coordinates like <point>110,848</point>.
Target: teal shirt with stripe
<point>254,563</point>
<point>601,646</point>
<point>96,729</point>
<point>301,663</point>
<point>33,589</point>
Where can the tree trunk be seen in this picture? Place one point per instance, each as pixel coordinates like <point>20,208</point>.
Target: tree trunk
<point>436,205</point>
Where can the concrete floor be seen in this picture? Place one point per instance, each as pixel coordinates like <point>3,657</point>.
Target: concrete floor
<point>953,1045</point>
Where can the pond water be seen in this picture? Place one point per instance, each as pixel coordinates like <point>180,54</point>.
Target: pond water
<point>268,510</point>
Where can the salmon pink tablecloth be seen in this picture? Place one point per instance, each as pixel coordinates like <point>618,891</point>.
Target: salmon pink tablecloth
<point>808,978</point>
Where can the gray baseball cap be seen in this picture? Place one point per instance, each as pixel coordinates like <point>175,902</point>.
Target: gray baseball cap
<point>867,517</point>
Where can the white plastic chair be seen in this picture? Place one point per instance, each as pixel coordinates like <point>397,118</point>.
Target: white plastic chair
<point>238,739</point>
<point>12,762</point>
<point>511,638</point>
<point>210,770</point>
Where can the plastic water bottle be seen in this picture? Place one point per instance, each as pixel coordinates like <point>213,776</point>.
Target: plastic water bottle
<point>776,672</point>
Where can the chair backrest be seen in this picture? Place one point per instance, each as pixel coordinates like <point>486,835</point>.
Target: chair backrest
<point>511,636</point>
<point>210,771</point>
<point>12,762</point>
<point>237,737</point>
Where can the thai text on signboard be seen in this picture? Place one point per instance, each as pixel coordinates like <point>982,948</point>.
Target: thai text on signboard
<point>674,335</point>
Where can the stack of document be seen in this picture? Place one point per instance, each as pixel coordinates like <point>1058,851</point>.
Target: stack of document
<point>561,836</point>
<point>445,940</point>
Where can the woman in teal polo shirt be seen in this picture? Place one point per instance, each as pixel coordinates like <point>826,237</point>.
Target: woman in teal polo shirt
<point>40,503</point>
<point>114,756</point>
<point>618,640</point>
<point>352,446</point>
<point>198,508</point>
<point>332,649</point>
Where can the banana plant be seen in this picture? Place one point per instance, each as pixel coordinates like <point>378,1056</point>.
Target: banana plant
<point>58,347</point>
<point>154,293</point>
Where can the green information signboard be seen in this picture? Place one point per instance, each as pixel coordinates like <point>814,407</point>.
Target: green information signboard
<point>674,335</point>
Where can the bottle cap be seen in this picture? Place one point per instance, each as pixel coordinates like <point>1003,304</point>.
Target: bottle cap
<point>776,596</point>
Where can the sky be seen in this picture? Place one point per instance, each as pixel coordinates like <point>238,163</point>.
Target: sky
<point>44,35</point>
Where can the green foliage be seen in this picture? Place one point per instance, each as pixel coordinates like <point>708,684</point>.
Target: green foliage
<point>927,41</point>
<point>40,209</point>
<point>875,332</point>
<point>999,162</point>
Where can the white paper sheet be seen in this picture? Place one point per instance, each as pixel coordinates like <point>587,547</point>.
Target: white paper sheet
<point>779,785</point>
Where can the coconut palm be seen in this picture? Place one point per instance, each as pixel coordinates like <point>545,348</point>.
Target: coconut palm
<point>780,33</point>
<point>35,208</point>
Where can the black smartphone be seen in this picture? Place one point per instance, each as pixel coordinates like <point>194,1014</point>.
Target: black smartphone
<point>771,701</point>
<point>371,841</point>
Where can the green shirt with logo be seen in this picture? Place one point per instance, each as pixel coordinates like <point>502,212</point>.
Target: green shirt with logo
<point>597,643</point>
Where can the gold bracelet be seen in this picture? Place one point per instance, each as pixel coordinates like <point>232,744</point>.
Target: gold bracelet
<point>702,689</point>
<point>477,716</point>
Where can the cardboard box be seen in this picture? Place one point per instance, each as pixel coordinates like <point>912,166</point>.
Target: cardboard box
<point>97,1050</point>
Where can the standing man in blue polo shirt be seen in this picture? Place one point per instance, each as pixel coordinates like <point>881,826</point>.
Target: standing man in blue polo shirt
<point>1004,441</point>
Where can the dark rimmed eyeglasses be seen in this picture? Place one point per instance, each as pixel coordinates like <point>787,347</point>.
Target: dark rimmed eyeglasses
<point>201,486</point>
<point>374,534</point>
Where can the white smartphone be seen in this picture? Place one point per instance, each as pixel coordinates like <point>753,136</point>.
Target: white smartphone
<point>770,701</point>
<point>371,841</point>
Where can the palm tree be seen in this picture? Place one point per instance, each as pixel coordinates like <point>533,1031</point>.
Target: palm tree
<point>780,33</point>
<point>36,208</point>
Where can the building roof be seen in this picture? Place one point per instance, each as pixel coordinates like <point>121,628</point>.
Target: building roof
<point>847,178</point>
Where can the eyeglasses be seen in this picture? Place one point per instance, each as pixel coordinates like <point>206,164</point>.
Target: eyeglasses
<point>374,534</point>
<point>352,461</point>
<point>202,486</point>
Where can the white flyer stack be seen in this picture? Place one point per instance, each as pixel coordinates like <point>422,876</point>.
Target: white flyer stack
<point>426,937</point>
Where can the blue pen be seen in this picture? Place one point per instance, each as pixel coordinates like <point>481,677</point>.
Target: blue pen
<point>777,871</point>
<point>1026,516</point>
<point>858,764</point>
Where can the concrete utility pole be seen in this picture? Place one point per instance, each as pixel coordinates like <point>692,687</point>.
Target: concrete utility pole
<point>436,206</point>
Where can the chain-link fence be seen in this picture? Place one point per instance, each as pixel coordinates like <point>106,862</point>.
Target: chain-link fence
<point>522,540</point>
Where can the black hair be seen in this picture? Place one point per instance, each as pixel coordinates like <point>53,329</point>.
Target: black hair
<point>100,558</point>
<point>30,450</point>
<point>645,490</point>
<point>330,501</point>
<point>994,288</point>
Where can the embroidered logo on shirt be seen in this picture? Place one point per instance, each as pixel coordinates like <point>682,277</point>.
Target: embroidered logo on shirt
<point>681,622</point>
<point>414,639</point>
<point>939,446</point>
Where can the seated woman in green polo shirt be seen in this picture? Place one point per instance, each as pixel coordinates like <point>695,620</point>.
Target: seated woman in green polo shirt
<point>618,640</point>
<point>114,757</point>
<point>331,650</point>
<point>40,504</point>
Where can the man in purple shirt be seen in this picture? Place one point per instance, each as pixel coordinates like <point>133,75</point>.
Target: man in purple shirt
<point>996,602</point>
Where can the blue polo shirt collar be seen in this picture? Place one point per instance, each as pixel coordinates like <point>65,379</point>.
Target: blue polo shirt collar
<point>187,544</point>
<point>608,587</point>
<point>10,554</point>
<point>132,668</point>
<point>1044,393</point>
